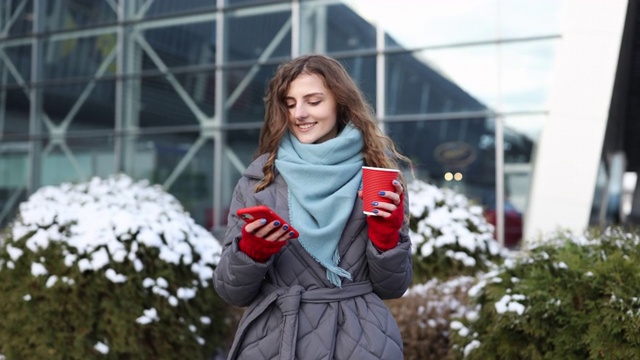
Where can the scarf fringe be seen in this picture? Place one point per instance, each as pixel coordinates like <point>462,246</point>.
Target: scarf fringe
<point>334,274</point>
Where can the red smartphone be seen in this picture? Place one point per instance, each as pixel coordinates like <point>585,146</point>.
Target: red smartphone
<point>252,213</point>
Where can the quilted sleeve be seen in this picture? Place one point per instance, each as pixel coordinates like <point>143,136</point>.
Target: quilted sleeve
<point>390,271</point>
<point>238,278</point>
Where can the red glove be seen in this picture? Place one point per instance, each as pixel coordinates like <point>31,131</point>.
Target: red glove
<point>258,248</point>
<point>385,232</point>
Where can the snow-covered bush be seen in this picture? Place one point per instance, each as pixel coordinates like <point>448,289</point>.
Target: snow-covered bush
<point>424,313</point>
<point>449,235</point>
<point>451,243</point>
<point>108,269</point>
<point>571,297</point>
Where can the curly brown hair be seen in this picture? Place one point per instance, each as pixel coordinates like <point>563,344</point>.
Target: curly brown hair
<point>379,150</point>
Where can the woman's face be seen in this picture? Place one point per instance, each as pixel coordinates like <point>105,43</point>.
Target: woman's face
<point>312,110</point>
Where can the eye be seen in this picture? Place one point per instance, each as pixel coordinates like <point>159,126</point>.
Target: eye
<point>314,103</point>
<point>290,105</point>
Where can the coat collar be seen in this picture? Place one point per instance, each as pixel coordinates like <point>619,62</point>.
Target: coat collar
<point>275,197</point>
<point>254,170</point>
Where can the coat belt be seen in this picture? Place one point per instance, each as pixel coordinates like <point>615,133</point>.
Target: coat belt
<point>288,300</point>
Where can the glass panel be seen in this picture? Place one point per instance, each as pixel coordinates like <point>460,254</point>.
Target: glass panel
<point>181,164</point>
<point>201,89</point>
<point>415,85</point>
<point>81,106</point>
<point>328,28</point>
<point>238,154</point>
<point>80,56</point>
<point>411,24</point>
<point>516,78</point>
<point>362,70</point>
<point>14,120</point>
<point>180,45</point>
<point>246,88</point>
<point>74,14</point>
<point>247,2</point>
<point>166,8</point>
<point>162,103</point>
<point>246,98</point>
<point>521,133</point>
<point>263,34</point>
<point>242,146</point>
<point>599,192</point>
<point>13,177</point>
<point>16,68</point>
<point>442,148</point>
<point>76,159</point>
<point>20,14</point>
<point>526,70</point>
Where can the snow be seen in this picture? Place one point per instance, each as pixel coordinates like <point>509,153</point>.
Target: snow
<point>470,347</point>
<point>149,315</point>
<point>14,253</point>
<point>445,220</point>
<point>101,348</point>
<point>100,215</point>
<point>38,269</point>
<point>508,303</point>
<point>115,277</point>
<point>52,280</point>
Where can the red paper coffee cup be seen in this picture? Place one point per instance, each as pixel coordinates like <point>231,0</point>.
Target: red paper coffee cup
<point>375,180</point>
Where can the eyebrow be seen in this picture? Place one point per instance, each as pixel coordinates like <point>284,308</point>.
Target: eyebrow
<point>306,96</point>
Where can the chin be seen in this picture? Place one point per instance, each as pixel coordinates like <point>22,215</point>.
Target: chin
<point>305,138</point>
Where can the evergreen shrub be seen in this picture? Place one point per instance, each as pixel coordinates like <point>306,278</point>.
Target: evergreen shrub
<point>108,269</point>
<point>570,297</point>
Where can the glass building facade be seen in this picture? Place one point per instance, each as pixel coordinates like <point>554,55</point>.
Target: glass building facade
<point>172,91</point>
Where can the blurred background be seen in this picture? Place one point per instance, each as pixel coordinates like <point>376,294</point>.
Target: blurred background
<point>528,107</point>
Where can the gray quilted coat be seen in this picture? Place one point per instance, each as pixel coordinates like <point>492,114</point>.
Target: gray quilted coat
<point>293,311</point>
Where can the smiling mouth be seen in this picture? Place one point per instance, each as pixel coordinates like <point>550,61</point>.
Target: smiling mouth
<point>306,126</point>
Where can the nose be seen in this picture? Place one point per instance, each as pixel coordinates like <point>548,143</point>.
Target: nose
<point>300,112</point>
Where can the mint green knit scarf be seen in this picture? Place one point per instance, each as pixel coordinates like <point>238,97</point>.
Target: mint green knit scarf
<point>323,181</point>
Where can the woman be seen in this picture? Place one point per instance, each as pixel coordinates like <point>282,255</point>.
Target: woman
<point>317,296</point>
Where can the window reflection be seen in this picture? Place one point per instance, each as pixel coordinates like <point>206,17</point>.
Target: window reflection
<point>156,157</point>
<point>79,106</point>
<point>412,24</point>
<point>458,153</point>
<point>334,28</point>
<point>255,36</point>
<point>246,88</point>
<point>414,87</point>
<point>75,14</point>
<point>178,46</point>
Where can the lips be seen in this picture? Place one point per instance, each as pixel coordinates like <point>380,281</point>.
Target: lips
<point>305,126</point>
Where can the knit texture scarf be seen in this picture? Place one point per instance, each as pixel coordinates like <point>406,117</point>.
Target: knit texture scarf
<point>323,181</point>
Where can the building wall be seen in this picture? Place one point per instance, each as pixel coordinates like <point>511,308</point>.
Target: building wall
<point>571,146</point>
<point>171,91</point>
